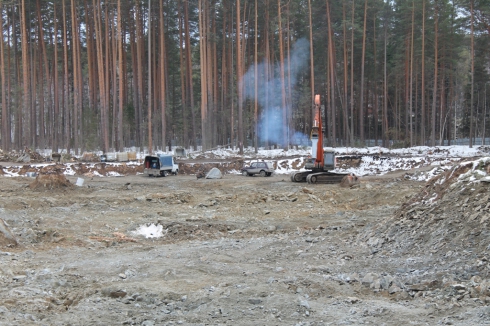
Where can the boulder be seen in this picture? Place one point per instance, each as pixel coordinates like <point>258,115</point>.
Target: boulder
<point>6,237</point>
<point>214,173</point>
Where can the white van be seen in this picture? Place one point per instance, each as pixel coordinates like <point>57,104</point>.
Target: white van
<point>160,165</point>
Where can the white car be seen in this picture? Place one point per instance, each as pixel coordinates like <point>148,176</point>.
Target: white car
<point>265,169</point>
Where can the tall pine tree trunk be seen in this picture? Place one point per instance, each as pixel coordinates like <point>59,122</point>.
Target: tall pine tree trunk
<point>434,91</point>
<point>66,87</point>
<point>56,119</point>
<point>26,132</point>
<point>139,44</point>
<point>44,79</point>
<point>188,58</point>
<point>150,76</point>
<point>203,61</point>
<point>77,78</point>
<point>385,88</point>
<point>6,138</point>
<point>267,72</point>
<point>309,110</point>
<point>120,37</point>
<point>183,73</point>
<point>104,123</point>
<point>163,77</point>
<point>331,63</point>
<point>472,72</point>
<point>375,110</point>
<point>411,74</point>
<point>239,56</point>
<point>361,106</point>
<point>256,80</point>
<point>422,86</point>
<point>345,126</point>
<point>282,79</point>
<point>352,75</point>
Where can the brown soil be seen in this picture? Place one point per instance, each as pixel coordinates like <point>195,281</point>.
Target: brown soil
<point>50,182</point>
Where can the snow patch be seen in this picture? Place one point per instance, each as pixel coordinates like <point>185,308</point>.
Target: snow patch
<point>150,231</point>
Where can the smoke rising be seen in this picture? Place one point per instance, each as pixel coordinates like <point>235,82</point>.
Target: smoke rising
<point>271,121</point>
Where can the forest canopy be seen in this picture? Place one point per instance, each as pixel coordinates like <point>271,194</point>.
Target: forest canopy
<point>108,75</point>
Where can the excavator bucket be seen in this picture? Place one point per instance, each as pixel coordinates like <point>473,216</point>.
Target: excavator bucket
<point>349,180</point>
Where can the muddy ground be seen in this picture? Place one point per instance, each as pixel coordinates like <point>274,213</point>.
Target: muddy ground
<point>234,251</point>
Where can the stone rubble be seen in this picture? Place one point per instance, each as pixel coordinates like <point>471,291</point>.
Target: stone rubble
<point>449,220</point>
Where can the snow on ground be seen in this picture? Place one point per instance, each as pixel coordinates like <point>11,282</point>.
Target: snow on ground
<point>69,170</point>
<point>10,173</point>
<point>374,160</point>
<point>418,151</point>
<point>150,231</point>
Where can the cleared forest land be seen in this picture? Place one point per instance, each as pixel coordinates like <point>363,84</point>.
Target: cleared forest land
<point>135,250</point>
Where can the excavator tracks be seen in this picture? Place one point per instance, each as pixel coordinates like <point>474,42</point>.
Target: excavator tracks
<point>297,176</point>
<point>325,178</point>
<point>317,177</point>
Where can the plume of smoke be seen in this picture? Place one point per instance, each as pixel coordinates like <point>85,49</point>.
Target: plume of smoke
<point>272,123</point>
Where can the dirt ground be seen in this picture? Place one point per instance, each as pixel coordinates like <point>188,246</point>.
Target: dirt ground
<point>234,251</point>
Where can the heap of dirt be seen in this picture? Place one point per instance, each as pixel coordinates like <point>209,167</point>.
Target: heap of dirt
<point>449,217</point>
<point>198,168</point>
<point>105,169</point>
<point>50,182</point>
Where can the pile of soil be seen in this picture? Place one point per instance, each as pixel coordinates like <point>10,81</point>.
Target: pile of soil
<point>105,169</point>
<point>197,168</point>
<point>50,181</point>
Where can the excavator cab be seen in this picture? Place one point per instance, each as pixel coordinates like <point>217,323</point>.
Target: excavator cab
<point>328,160</point>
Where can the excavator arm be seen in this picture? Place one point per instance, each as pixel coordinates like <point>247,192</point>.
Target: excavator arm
<point>316,137</point>
<point>317,134</point>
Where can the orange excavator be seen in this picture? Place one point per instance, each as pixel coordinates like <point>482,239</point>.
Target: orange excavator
<point>321,161</point>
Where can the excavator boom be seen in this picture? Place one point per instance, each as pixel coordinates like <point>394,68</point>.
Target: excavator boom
<point>316,135</point>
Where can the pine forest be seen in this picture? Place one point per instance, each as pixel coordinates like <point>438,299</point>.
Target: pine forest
<point>81,75</point>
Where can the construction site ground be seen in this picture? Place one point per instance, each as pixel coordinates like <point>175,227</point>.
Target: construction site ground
<point>235,251</point>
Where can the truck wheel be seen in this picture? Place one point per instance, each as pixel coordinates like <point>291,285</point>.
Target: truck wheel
<point>245,173</point>
<point>163,173</point>
<point>262,173</point>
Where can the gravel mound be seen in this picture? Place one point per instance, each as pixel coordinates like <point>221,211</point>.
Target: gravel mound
<point>449,217</point>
